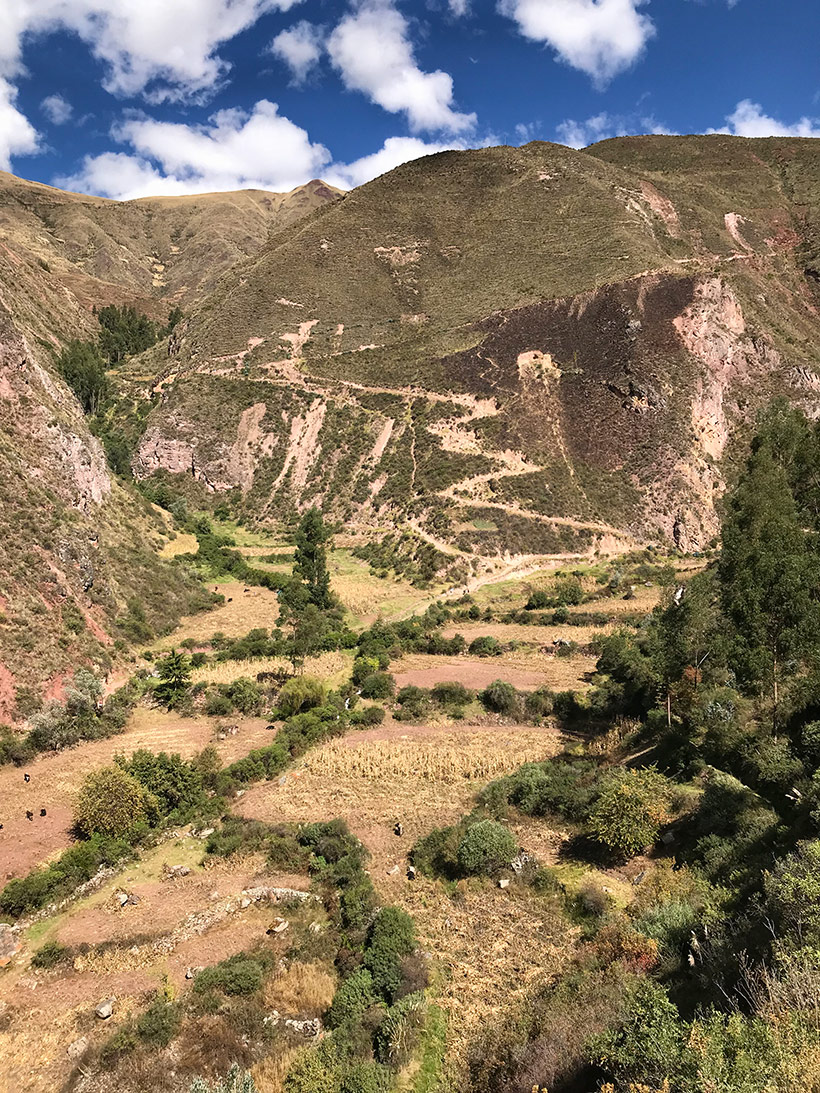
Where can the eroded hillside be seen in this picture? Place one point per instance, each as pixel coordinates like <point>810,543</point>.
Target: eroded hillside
<point>526,350</point>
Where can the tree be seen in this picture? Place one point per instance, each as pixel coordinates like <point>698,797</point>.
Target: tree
<point>486,847</point>
<point>124,331</point>
<point>630,809</point>
<point>310,559</point>
<point>81,366</point>
<point>175,679</point>
<point>112,802</point>
<point>767,577</point>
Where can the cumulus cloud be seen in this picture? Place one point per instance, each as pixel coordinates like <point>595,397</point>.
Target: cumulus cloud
<point>300,47</point>
<point>260,150</point>
<point>235,150</point>
<point>168,44</point>
<point>459,7</point>
<point>395,151</point>
<point>17,135</point>
<point>57,109</point>
<point>372,51</point>
<point>578,134</point>
<point>599,37</point>
<point>748,120</point>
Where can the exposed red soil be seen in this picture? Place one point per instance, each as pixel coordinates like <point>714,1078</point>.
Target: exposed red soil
<point>475,674</point>
<point>56,777</point>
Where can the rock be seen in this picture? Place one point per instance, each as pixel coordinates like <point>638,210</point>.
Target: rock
<point>75,1049</point>
<point>667,838</point>
<point>315,927</point>
<point>504,882</point>
<point>105,1008</point>
<point>244,903</point>
<point>122,898</point>
<point>240,793</point>
<point>411,872</point>
<point>205,833</point>
<point>192,973</point>
<point>392,872</point>
<point>174,871</point>
<point>9,944</point>
<point>278,926</point>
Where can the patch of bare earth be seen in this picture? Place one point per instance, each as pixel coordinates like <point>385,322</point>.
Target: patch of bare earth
<point>55,778</point>
<point>525,670</point>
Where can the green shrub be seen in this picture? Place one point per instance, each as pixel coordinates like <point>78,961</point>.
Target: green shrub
<point>370,715</point>
<point>353,998</point>
<point>391,937</point>
<point>485,647</point>
<point>160,1022</point>
<point>238,974</point>
<point>500,697</point>
<point>218,704</point>
<point>300,694</point>
<point>245,694</point>
<point>378,685</point>
<point>539,704</point>
<point>112,802</point>
<point>50,955</point>
<point>486,847</point>
<point>174,783</point>
<point>450,694</point>
<point>630,809</point>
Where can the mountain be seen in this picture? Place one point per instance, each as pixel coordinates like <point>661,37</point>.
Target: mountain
<point>510,350</point>
<point>80,574</point>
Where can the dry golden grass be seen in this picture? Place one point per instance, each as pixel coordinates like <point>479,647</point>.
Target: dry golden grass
<point>242,611</point>
<point>527,635</point>
<point>269,1075</point>
<point>303,990</point>
<point>475,757</point>
<point>528,669</point>
<point>334,668</point>
<point>182,544</point>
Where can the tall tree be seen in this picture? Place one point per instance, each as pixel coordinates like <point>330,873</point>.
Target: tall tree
<point>310,559</point>
<point>767,576</point>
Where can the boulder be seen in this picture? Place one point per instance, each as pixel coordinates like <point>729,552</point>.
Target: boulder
<point>105,1008</point>
<point>9,944</point>
<point>504,882</point>
<point>76,1049</point>
<point>278,926</point>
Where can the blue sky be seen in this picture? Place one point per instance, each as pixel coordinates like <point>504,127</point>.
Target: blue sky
<point>132,97</point>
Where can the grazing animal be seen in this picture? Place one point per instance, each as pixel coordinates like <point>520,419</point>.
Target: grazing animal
<point>29,814</point>
<point>26,777</point>
<point>42,812</point>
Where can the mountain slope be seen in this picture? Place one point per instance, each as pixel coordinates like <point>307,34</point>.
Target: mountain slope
<point>527,350</point>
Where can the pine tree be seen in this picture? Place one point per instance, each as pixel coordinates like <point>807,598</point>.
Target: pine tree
<point>766,576</point>
<point>175,679</point>
<point>310,559</point>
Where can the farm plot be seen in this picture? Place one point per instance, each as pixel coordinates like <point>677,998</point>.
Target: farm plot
<point>526,670</point>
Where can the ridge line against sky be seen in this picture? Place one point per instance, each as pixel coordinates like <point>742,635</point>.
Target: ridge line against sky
<point>126,98</point>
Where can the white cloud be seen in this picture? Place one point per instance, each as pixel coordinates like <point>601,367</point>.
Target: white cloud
<point>459,8</point>
<point>372,51</point>
<point>260,150</point>
<point>395,151</point>
<point>168,43</point>
<point>17,135</point>
<point>57,109</point>
<point>578,134</point>
<point>748,120</point>
<point>599,37</point>
<point>300,47</point>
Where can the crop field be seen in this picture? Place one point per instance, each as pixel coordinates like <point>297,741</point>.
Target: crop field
<point>525,669</point>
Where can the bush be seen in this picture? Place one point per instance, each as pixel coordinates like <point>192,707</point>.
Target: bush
<point>112,802</point>
<point>175,784</point>
<point>238,974</point>
<point>160,1022</point>
<point>50,955</point>
<point>218,704</point>
<point>485,647</point>
<point>378,685</point>
<point>370,715</point>
<point>500,697</point>
<point>539,703</point>
<point>245,695</point>
<point>450,694</point>
<point>352,1000</point>
<point>486,847</point>
<point>566,786</point>
<point>391,937</point>
<point>630,809</point>
<point>568,592</point>
<point>300,694</point>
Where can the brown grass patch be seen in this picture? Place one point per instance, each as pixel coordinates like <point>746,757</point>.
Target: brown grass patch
<point>184,543</point>
<point>528,635</point>
<point>270,1074</point>
<point>475,757</point>
<point>526,669</point>
<point>304,990</point>
<point>333,667</point>
<point>258,607</point>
